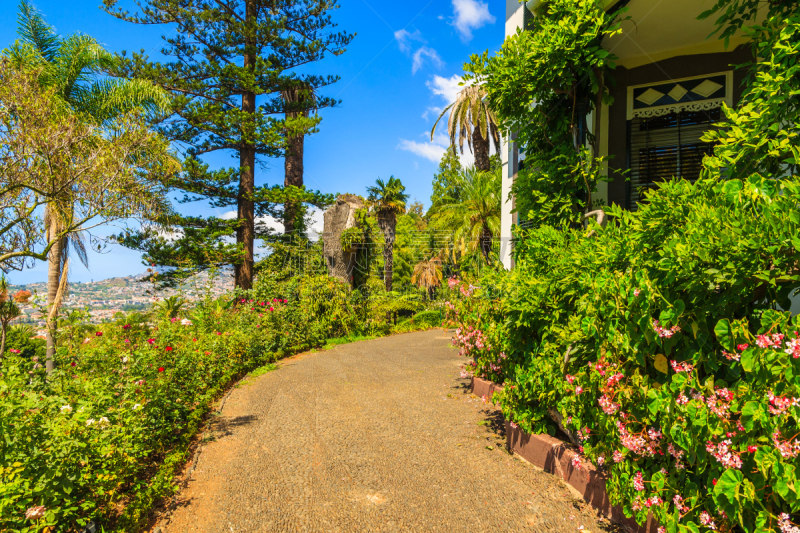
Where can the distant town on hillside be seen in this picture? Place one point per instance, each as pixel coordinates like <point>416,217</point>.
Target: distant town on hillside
<point>103,299</point>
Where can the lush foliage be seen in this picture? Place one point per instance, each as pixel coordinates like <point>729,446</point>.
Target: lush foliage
<point>664,339</point>
<point>541,84</point>
<point>659,341</point>
<point>55,159</point>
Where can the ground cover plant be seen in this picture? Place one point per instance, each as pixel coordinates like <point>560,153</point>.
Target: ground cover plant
<point>101,437</point>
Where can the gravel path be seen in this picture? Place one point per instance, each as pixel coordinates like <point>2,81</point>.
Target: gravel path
<point>374,436</point>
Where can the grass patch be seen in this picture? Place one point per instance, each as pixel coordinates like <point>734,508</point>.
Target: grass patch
<point>330,343</point>
<point>260,371</point>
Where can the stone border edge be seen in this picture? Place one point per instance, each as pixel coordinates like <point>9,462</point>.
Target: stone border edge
<point>554,456</point>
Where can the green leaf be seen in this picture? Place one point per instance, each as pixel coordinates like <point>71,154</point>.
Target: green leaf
<point>727,492</point>
<point>724,334</point>
<point>752,412</point>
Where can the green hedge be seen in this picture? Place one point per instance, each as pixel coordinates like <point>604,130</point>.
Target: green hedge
<point>662,341</point>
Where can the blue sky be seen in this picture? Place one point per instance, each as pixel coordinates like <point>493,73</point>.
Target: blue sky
<point>401,69</point>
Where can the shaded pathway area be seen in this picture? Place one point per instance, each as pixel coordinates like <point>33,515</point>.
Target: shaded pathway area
<point>374,436</point>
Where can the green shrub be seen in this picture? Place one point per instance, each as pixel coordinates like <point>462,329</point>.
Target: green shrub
<point>661,341</point>
<point>423,320</point>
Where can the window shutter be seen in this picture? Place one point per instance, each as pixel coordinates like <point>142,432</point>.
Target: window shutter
<point>668,146</point>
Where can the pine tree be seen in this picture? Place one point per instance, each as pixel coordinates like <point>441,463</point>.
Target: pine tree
<point>228,63</point>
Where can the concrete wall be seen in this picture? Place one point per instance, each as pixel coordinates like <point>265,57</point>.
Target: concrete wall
<point>508,153</point>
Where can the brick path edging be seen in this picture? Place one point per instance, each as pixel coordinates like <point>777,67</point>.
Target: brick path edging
<point>555,457</point>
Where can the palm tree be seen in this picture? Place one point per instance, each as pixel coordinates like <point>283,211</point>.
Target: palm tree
<point>72,67</point>
<point>428,275</point>
<point>171,306</point>
<point>299,99</point>
<point>472,119</point>
<point>387,200</point>
<point>475,215</point>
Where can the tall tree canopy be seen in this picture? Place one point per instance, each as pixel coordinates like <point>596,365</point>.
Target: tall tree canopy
<point>72,69</point>
<point>223,56</point>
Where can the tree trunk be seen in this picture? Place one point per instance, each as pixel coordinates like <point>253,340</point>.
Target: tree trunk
<point>53,282</point>
<point>293,166</point>
<point>486,243</point>
<point>480,147</point>
<point>3,328</point>
<point>245,233</point>
<point>388,224</point>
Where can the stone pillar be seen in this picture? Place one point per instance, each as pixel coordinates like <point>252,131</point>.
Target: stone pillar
<point>339,217</point>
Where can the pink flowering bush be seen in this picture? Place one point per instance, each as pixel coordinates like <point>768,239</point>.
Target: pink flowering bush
<point>661,343</point>
<point>479,331</point>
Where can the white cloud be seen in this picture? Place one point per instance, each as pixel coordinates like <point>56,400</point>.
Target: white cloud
<point>470,15</point>
<point>447,88</point>
<point>404,39</point>
<point>428,150</point>
<point>423,55</point>
<point>432,111</point>
<point>317,224</point>
<point>271,222</point>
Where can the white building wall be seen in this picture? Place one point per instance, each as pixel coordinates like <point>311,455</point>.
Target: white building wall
<point>508,154</point>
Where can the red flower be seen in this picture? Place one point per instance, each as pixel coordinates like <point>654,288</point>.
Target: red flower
<point>714,482</point>
<point>72,363</point>
<point>161,369</point>
<point>752,449</point>
<point>151,341</point>
<point>168,348</point>
<point>195,340</point>
<point>207,353</point>
<point>126,326</point>
<point>99,334</point>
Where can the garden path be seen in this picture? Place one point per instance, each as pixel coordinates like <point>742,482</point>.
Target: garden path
<point>373,436</point>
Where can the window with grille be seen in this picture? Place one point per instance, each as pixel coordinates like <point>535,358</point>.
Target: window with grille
<point>668,146</point>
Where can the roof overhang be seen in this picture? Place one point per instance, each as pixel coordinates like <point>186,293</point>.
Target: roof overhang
<point>656,30</point>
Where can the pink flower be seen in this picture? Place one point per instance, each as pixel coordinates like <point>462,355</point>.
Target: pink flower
<point>151,341</point>
<point>513,425</point>
<point>638,481</point>
<point>679,505</point>
<point>682,367</point>
<point>570,379</point>
<point>35,513</point>
<point>576,462</point>
<point>578,390</point>
<point>618,457</point>
<point>636,292</point>
<point>742,347</point>
<point>665,332</point>
<point>763,341</point>
<point>706,520</point>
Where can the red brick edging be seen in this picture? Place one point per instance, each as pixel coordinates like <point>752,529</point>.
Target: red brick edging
<point>555,457</point>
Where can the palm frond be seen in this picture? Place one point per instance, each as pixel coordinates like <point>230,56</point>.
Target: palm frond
<point>79,247</point>
<point>34,30</point>
<point>79,58</point>
<point>109,98</point>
